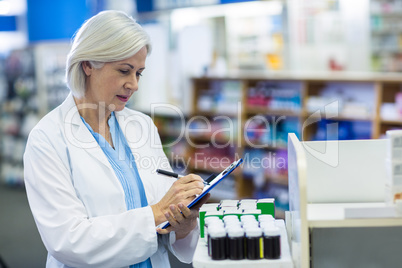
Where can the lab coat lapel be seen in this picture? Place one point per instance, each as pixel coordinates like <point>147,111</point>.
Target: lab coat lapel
<point>91,146</point>
<point>78,134</point>
<point>134,128</point>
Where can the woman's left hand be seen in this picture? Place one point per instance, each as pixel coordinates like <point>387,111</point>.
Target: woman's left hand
<point>184,220</point>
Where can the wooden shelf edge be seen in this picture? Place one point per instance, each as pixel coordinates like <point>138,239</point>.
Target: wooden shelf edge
<point>391,122</point>
<point>267,111</point>
<point>213,113</point>
<point>307,114</point>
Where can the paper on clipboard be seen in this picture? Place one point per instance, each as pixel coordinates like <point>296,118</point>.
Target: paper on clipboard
<point>212,184</point>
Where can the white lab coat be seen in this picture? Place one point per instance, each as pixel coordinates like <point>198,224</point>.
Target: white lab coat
<point>78,202</point>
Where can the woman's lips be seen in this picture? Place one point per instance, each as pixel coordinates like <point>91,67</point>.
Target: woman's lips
<point>122,98</point>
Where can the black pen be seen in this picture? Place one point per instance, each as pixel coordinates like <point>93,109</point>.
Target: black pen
<point>172,174</point>
<point>168,173</point>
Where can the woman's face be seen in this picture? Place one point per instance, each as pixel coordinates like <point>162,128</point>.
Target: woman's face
<point>112,85</point>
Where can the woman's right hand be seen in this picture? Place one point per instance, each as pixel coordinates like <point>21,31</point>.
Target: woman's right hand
<point>183,191</point>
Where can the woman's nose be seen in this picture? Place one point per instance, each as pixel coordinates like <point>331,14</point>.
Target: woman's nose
<point>132,83</point>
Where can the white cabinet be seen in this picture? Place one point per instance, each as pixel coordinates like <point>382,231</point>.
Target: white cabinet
<point>338,217</point>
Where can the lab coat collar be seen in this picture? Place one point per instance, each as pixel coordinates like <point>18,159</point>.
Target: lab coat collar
<point>70,111</point>
<point>135,127</point>
<point>78,134</point>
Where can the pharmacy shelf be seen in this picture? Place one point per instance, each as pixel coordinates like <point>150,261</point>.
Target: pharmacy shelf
<point>377,89</point>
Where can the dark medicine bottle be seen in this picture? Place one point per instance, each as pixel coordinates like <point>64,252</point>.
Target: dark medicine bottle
<point>217,243</point>
<point>210,223</point>
<point>272,243</point>
<point>235,243</point>
<point>254,245</point>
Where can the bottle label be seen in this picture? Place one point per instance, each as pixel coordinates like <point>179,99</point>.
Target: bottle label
<point>261,248</point>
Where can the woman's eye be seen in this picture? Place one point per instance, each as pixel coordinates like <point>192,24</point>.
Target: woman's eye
<point>139,74</point>
<point>124,71</point>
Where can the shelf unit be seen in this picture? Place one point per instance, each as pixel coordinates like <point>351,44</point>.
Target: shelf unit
<point>18,110</point>
<point>360,112</point>
<point>35,85</point>
<point>386,33</point>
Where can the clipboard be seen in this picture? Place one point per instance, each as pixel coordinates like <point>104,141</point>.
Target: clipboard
<point>212,184</point>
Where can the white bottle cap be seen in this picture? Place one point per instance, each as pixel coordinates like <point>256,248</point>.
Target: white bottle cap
<point>229,203</point>
<point>213,205</point>
<point>228,218</point>
<point>265,224</point>
<point>207,220</point>
<point>247,220</point>
<point>211,213</point>
<point>227,210</point>
<point>265,217</point>
<point>215,223</point>
<point>232,225</point>
<point>235,232</point>
<point>252,212</point>
<point>244,218</point>
<point>247,206</point>
<point>250,226</point>
<point>271,231</point>
<point>217,232</point>
<point>253,232</point>
<point>266,200</point>
<point>209,207</point>
<point>233,222</point>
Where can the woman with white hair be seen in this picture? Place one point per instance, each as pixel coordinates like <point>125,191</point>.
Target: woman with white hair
<point>89,164</point>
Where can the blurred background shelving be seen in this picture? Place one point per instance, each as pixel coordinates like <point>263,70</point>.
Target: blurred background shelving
<point>34,85</point>
<point>225,79</point>
<point>230,77</point>
<point>386,35</point>
<point>268,108</point>
<point>19,112</point>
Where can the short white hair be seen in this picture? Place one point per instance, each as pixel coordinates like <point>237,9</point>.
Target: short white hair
<point>106,37</point>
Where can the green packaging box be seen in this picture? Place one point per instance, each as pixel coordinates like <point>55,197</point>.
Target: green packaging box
<point>207,212</point>
<point>254,212</point>
<point>229,203</point>
<point>247,201</point>
<point>232,211</point>
<point>267,206</point>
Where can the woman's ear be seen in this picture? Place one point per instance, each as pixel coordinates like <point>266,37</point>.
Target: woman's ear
<point>87,67</point>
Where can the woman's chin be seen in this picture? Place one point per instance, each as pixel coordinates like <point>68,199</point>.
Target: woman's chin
<point>116,107</point>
